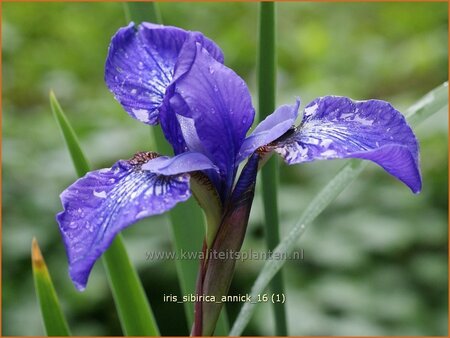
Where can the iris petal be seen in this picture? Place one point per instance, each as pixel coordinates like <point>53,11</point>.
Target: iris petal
<point>140,66</point>
<point>104,202</point>
<point>219,103</point>
<point>273,126</point>
<point>183,163</point>
<point>337,127</point>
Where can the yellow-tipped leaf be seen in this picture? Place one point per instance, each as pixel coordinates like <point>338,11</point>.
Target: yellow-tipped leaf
<point>55,323</point>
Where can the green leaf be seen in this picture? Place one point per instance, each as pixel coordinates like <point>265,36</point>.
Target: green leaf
<point>266,100</point>
<point>73,145</point>
<point>135,314</point>
<point>55,323</point>
<point>431,103</point>
<point>132,306</point>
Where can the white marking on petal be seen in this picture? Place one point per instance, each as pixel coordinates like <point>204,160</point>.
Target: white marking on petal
<point>346,115</point>
<point>303,151</point>
<point>141,114</point>
<point>312,140</point>
<point>100,194</point>
<point>141,214</point>
<point>325,143</point>
<point>364,122</point>
<point>311,110</point>
<point>158,190</point>
<point>329,153</point>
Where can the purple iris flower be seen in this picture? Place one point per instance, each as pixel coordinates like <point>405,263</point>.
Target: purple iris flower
<point>176,78</point>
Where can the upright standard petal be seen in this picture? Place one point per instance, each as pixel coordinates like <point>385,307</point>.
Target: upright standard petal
<point>274,126</point>
<point>219,103</point>
<point>104,202</point>
<point>141,62</point>
<point>337,127</point>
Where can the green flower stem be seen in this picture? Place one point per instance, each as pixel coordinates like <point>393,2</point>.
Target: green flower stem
<point>135,314</point>
<point>55,323</point>
<point>431,103</point>
<point>266,99</point>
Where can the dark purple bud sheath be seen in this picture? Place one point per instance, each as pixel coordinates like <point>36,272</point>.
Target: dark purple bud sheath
<point>217,271</point>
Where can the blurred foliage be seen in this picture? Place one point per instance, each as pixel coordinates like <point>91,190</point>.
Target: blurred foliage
<point>375,262</point>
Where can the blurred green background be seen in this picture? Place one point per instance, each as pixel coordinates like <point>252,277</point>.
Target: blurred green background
<point>375,262</point>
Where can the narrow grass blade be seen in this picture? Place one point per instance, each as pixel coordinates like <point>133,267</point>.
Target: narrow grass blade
<point>55,323</point>
<point>428,105</point>
<point>135,314</point>
<point>266,100</point>
<point>431,103</point>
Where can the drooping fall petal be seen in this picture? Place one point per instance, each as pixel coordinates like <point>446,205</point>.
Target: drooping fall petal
<point>104,202</point>
<point>338,127</point>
